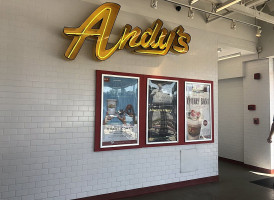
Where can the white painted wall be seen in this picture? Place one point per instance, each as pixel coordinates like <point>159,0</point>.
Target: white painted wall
<point>257,151</point>
<point>231,102</point>
<point>231,118</point>
<point>239,138</point>
<point>266,40</point>
<point>233,68</point>
<point>47,103</point>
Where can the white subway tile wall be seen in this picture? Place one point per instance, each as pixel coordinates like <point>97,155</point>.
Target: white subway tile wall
<point>47,108</point>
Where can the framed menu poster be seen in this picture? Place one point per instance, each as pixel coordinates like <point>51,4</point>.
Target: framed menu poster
<point>119,111</point>
<point>198,112</point>
<point>162,111</point>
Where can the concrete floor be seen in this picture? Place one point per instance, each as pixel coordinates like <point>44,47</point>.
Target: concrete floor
<point>234,184</point>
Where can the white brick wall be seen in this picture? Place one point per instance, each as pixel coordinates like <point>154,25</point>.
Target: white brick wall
<point>47,107</point>
<point>231,119</point>
<point>257,151</point>
<point>240,139</point>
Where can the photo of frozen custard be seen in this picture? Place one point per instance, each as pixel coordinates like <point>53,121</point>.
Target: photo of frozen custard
<point>194,123</point>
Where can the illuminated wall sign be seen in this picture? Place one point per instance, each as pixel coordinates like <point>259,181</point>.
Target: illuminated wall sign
<point>155,40</point>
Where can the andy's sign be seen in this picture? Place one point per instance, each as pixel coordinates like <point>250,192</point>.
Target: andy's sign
<point>155,40</point>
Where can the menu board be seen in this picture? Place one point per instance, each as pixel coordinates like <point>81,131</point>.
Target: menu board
<point>162,106</point>
<point>120,111</point>
<point>198,116</point>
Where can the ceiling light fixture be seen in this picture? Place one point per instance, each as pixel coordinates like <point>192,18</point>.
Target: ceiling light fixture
<point>192,1</point>
<point>227,4</point>
<point>233,25</point>
<point>259,31</point>
<point>190,13</point>
<point>219,50</point>
<point>229,56</point>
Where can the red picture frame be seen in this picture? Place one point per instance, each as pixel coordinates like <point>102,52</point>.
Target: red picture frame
<point>212,111</point>
<point>98,118</point>
<point>143,79</point>
<point>180,111</point>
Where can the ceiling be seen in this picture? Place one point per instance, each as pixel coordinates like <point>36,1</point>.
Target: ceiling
<point>255,9</point>
<point>261,6</point>
<point>267,7</point>
<point>260,9</point>
<point>227,50</point>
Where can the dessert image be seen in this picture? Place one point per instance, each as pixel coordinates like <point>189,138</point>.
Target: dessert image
<point>119,111</point>
<point>194,125</point>
<point>198,119</point>
<point>111,105</point>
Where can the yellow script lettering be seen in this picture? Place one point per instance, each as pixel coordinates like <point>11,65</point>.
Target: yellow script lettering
<point>155,40</point>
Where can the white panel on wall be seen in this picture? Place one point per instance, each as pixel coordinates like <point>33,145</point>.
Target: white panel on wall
<point>190,160</point>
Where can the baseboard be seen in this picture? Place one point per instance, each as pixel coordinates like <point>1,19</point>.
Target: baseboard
<point>258,169</point>
<point>232,161</point>
<point>152,189</point>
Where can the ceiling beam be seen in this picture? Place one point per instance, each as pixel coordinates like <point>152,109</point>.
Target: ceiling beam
<point>242,9</point>
<point>226,4</point>
<point>228,13</point>
<point>263,17</point>
<point>255,3</point>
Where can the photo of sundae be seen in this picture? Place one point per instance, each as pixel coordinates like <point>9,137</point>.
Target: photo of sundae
<point>194,123</point>
<point>198,117</point>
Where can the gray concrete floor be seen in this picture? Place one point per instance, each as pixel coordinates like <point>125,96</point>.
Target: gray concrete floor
<point>234,184</point>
